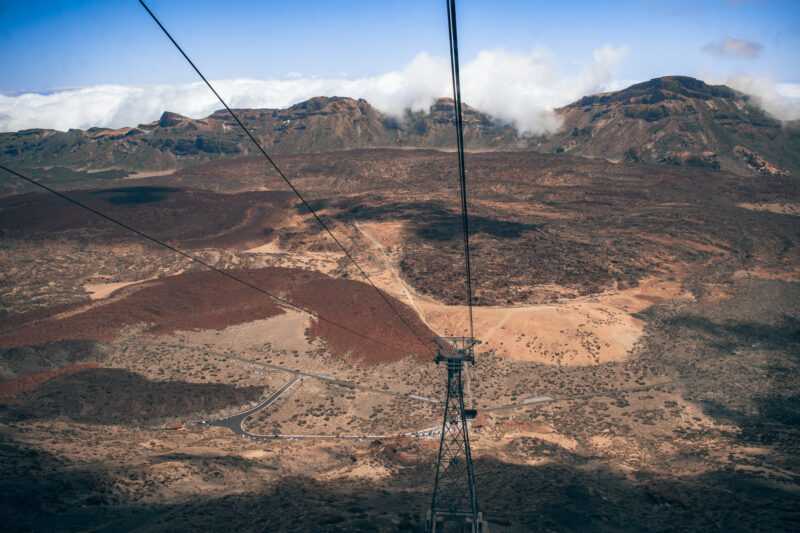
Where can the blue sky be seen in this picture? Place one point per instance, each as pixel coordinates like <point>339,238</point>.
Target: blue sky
<point>57,44</point>
<point>52,44</point>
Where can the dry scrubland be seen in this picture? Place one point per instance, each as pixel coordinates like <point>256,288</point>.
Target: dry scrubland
<point>641,327</point>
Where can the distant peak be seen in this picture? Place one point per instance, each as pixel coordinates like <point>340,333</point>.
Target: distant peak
<point>657,89</point>
<point>445,103</point>
<point>321,102</point>
<point>168,118</point>
<point>687,86</point>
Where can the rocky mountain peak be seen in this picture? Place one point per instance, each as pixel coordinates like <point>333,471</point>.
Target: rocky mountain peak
<point>677,120</point>
<point>663,89</point>
<point>169,119</point>
<point>674,120</point>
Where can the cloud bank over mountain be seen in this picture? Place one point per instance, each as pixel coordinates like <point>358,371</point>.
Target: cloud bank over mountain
<point>781,100</point>
<point>520,88</point>
<point>523,89</point>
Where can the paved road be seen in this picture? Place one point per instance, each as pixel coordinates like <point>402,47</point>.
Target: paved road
<point>234,423</point>
<point>422,433</point>
<point>332,380</point>
<point>321,377</point>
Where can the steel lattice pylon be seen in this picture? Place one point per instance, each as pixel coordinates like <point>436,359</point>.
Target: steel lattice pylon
<point>455,502</point>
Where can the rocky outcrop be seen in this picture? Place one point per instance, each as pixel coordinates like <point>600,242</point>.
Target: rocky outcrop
<point>677,120</point>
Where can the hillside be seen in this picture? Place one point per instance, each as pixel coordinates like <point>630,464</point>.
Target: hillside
<point>638,363</point>
<point>673,120</point>
<point>679,120</point>
<point>316,125</point>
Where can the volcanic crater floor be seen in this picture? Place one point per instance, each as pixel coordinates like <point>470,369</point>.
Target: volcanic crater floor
<point>637,371</point>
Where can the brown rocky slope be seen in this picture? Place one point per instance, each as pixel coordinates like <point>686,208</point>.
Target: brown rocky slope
<point>674,120</point>
<point>679,120</point>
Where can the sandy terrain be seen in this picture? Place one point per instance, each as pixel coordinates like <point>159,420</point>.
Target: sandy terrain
<point>268,248</point>
<point>780,208</point>
<point>99,291</point>
<point>286,331</point>
<point>792,274</point>
<point>638,364</point>
<point>568,334</point>
<point>149,174</point>
<point>209,301</point>
<point>583,331</point>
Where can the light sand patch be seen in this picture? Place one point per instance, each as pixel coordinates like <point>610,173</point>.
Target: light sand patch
<point>284,332</point>
<point>387,276</point>
<point>768,273</point>
<point>583,331</point>
<point>626,450</point>
<point>99,170</point>
<point>387,234</point>
<point>359,471</point>
<point>211,452</point>
<point>551,437</point>
<point>103,297</point>
<point>149,174</point>
<point>650,291</point>
<point>577,332</point>
<point>753,450</point>
<point>692,245</point>
<point>99,291</point>
<point>325,262</point>
<point>716,292</point>
<point>780,208</point>
<point>269,248</point>
<point>254,454</point>
<point>573,334</point>
<point>606,443</point>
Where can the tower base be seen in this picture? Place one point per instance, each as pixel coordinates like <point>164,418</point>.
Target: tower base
<point>446,522</point>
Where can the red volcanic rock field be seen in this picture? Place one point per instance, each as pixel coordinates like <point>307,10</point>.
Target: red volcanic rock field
<point>193,218</point>
<point>208,300</point>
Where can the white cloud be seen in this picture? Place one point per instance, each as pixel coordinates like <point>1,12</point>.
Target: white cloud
<point>521,88</point>
<point>781,100</point>
<point>525,88</point>
<point>788,90</point>
<point>736,48</point>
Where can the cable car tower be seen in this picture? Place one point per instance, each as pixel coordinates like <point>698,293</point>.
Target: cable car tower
<point>455,502</point>
<point>454,506</point>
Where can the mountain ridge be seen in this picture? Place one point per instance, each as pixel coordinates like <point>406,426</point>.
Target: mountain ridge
<point>679,120</point>
<point>675,120</point>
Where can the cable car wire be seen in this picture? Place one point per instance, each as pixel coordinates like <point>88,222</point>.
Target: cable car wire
<point>196,259</point>
<point>281,173</point>
<point>462,177</point>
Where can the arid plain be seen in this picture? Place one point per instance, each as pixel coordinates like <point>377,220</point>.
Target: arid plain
<point>638,365</point>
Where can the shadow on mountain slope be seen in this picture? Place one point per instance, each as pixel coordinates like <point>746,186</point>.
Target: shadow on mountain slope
<point>42,492</point>
<point>135,195</point>
<point>116,396</point>
<point>432,221</point>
